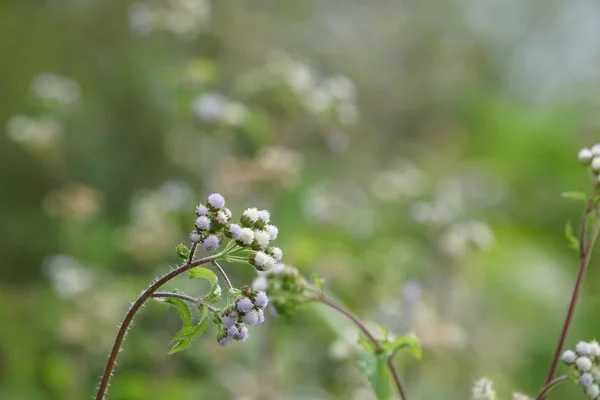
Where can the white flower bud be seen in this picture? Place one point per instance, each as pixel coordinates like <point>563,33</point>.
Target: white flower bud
<point>586,380</point>
<point>483,390</point>
<point>272,231</point>
<point>227,212</point>
<point>593,391</point>
<point>596,164</point>
<point>595,347</point>
<point>583,364</point>
<point>595,150</point>
<point>261,239</point>
<point>276,253</point>
<point>585,156</point>
<point>221,218</point>
<point>195,237</point>
<point>569,357</point>
<point>260,283</point>
<point>246,237</point>
<point>250,216</point>
<point>264,216</point>
<point>262,261</point>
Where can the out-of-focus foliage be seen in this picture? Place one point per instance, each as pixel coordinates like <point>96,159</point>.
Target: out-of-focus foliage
<point>413,154</point>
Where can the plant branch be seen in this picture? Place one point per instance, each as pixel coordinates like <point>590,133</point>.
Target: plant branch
<point>146,294</point>
<point>223,274</point>
<point>585,252</point>
<point>327,301</point>
<point>196,301</point>
<point>549,386</point>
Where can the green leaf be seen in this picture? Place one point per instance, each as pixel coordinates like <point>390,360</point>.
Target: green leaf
<point>183,307</point>
<point>580,196</point>
<point>570,235</point>
<point>188,334</point>
<point>374,366</point>
<point>318,281</point>
<point>182,251</point>
<point>408,342</point>
<point>214,295</point>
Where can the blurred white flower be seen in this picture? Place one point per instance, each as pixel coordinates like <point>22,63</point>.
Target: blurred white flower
<point>34,132</point>
<point>48,86</point>
<point>68,276</point>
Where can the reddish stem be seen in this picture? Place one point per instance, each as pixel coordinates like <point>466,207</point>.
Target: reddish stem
<point>549,386</point>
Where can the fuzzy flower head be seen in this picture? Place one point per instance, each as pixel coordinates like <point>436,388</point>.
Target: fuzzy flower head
<point>246,237</point>
<point>253,317</point>
<point>225,340</point>
<point>250,217</point>
<point>202,223</point>
<point>263,218</point>
<point>583,349</point>
<point>195,237</point>
<point>586,380</point>
<point>216,201</point>
<point>595,165</point>
<point>593,391</point>
<point>234,232</point>
<point>261,240</point>
<point>201,210</point>
<point>483,390</point>
<point>261,300</point>
<point>275,252</point>
<point>229,319</point>
<point>583,364</point>
<point>242,334</point>
<point>585,155</point>
<point>569,357</point>
<point>262,261</point>
<point>595,150</point>
<point>221,218</point>
<point>595,348</point>
<point>211,243</point>
<point>244,305</point>
<point>272,231</point>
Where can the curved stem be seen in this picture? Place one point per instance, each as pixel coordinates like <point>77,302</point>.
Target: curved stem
<point>325,300</point>
<point>223,274</point>
<point>585,252</point>
<point>146,294</point>
<point>196,301</point>
<point>549,386</point>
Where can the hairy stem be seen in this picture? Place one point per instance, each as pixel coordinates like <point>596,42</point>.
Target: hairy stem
<point>223,274</point>
<point>196,301</point>
<point>549,386</point>
<point>327,301</point>
<point>585,252</point>
<point>146,294</point>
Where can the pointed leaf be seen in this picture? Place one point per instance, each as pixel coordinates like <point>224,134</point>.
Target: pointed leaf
<point>188,334</point>
<point>580,196</point>
<point>182,306</point>
<point>408,342</point>
<point>374,366</point>
<point>214,295</point>
<point>570,235</point>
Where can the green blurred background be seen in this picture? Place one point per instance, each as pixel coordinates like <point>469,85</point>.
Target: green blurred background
<point>411,152</point>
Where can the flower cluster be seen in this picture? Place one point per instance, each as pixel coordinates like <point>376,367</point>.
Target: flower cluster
<point>285,285</point>
<point>253,233</point>
<point>591,157</point>
<point>585,363</point>
<point>247,310</point>
<point>483,389</point>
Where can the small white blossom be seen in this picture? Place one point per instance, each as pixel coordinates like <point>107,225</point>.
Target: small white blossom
<point>596,164</point>
<point>229,320</point>
<point>483,390</point>
<point>264,216</point>
<point>276,253</point>
<point>201,210</point>
<point>252,317</point>
<point>216,200</point>
<point>227,212</point>
<point>251,214</point>
<point>595,150</point>
<point>520,396</point>
<point>221,218</point>
<point>244,305</point>
<point>595,347</point>
<point>236,231</point>
<point>586,380</point>
<point>211,243</point>
<point>262,261</point>
<point>569,357</point>
<point>583,364</point>
<point>195,237</point>
<point>272,231</point>
<point>583,348</point>
<point>596,373</point>
<point>261,300</point>
<point>262,239</point>
<point>593,391</point>
<point>586,155</point>
<point>202,223</point>
<point>246,236</point>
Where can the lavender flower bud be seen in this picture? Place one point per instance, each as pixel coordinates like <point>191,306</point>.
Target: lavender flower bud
<point>583,349</point>
<point>261,240</point>
<point>253,317</point>
<point>244,305</point>
<point>225,340</point>
<point>569,357</point>
<point>586,380</point>
<point>234,232</point>
<point>216,201</point>
<point>201,210</point>
<point>242,334</point>
<point>232,331</point>
<point>229,319</point>
<point>246,237</point>
<point>195,237</point>
<point>261,300</point>
<point>272,230</point>
<point>211,243</point>
<point>202,223</point>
